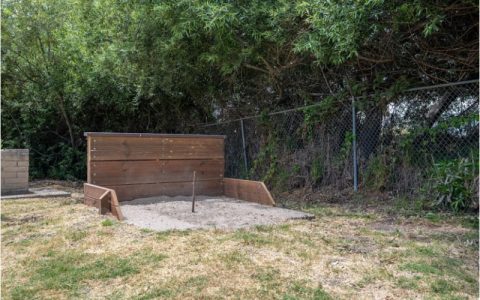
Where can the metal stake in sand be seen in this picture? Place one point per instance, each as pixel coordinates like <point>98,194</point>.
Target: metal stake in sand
<point>193,193</point>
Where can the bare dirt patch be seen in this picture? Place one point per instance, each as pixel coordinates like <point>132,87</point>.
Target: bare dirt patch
<point>169,213</point>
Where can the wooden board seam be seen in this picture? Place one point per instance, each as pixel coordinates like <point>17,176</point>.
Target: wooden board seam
<point>158,182</point>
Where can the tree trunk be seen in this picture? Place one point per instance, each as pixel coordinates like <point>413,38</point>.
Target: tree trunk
<point>61,105</point>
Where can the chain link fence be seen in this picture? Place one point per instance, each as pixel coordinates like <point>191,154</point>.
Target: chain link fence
<point>381,142</point>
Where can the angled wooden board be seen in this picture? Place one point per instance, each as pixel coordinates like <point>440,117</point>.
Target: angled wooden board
<point>103,198</point>
<point>248,190</point>
<point>135,172</point>
<point>93,191</point>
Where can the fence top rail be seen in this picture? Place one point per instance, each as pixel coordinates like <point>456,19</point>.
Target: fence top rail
<point>358,97</point>
<point>147,135</point>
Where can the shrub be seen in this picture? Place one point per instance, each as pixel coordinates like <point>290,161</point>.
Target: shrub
<point>452,182</point>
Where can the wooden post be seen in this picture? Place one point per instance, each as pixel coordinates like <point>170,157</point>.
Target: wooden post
<point>89,159</point>
<point>193,192</point>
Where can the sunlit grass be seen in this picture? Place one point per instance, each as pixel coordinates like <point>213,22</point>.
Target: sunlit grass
<point>66,250</point>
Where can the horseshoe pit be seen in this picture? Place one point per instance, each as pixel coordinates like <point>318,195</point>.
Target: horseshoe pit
<point>174,181</point>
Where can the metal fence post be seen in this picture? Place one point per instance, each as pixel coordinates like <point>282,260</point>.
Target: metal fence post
<point>244,146</point>
<point>354,146</point>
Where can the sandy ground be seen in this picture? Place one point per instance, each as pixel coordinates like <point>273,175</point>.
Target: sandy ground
<point>167,213</point>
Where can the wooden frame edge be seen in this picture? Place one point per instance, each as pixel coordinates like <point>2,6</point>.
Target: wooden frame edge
<point>102,201</point>
<point>248,190</point>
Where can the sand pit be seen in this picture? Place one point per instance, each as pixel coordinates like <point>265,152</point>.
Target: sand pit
<point>167,213</point>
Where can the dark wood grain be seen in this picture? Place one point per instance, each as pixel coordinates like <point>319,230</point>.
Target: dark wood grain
<point>157,171</point>
<point>135,148</point>
<point>130,192</point>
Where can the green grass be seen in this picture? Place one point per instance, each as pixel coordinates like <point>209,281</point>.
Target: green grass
<point>251,238</point>
<point>443,287</point>
<point>3,217</point>
<point>198,283</point>
<point>68,270</point>
<point>76,235</point>
<point>433,217</point>
<point>172,287</point>
<point>470,222</point>
<point>234,258</point>
<point>420,267</point>
<point>268,278</point>
<point>408,283</point>
<point>300,290</point>
<point>164,235</point>
<point>156,293</point>
<point>264,228</point>
<point>429,251</point>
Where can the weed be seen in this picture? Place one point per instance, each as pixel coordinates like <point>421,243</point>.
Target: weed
<point>107,222</point>
<point>76,235</point>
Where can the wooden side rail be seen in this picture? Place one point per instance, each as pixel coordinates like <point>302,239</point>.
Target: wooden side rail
<point>247,190</point>
<point>104,199</point>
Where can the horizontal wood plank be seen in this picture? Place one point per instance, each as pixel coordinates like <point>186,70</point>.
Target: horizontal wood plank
<point>130,192</point>
<point>157,171</point>
<point>136,148</point>
<point>148,134</point>
<point>248,190</point>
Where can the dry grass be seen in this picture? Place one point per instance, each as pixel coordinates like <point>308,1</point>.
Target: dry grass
<point>58,248</point>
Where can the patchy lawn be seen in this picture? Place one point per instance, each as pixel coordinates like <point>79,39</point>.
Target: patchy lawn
<point>58,248</point>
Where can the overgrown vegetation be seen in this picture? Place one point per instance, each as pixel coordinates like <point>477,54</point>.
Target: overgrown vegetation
<point>398,149</point>
<point>146,66</point>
